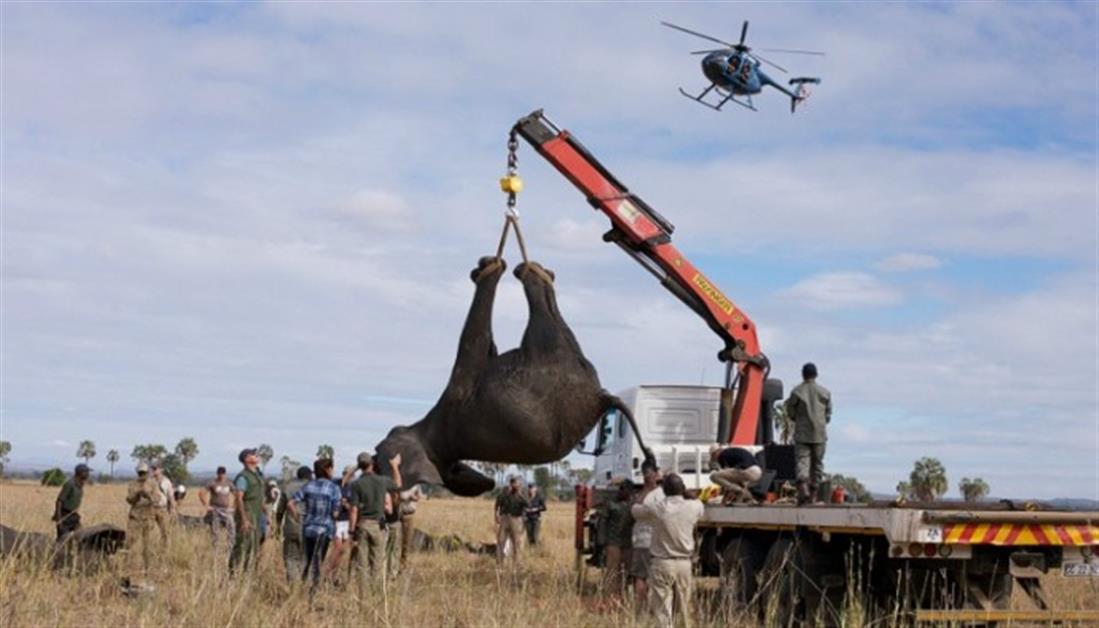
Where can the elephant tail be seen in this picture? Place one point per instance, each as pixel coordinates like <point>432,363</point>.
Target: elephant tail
<point>614,402</point>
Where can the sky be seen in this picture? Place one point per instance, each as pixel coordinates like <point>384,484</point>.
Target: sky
<point>253,223</point>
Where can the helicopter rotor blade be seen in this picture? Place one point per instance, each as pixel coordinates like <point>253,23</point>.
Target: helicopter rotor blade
<point>796,52</point>
<point>706,52</point>
<point>697,34</point>
<point>771,63</point>
<point>743,32</point>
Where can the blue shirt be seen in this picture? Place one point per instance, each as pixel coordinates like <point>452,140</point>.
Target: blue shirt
<point>322,502</point>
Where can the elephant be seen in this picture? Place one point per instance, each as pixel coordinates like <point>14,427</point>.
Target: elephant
<point>529,405</point>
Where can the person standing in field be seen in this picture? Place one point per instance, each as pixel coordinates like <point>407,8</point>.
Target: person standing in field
<point>320,498</point>
<point>617,530</point>
<point>248,504</point>
<point>165,502</point>
<point>673,519</point>
<point>393,537</point>
<point>532,518</point>
<point>410,500</point>
<point>271,497</point>
<point>293,552</point>
<point>810,408</point>
<point>368,509</point>
<point>511,504</point>
<point>642,534</point>
<point>217,497</point>
<point>143,496</point>
<point>66,510</point>
<point>341,542</point>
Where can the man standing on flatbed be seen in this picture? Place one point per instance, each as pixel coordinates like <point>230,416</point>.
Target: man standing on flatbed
<point>810,408</point>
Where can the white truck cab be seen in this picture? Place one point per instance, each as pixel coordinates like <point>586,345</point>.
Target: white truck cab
<point>678,423</point>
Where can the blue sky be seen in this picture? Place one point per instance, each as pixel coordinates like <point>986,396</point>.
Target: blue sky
<point>252,223</point>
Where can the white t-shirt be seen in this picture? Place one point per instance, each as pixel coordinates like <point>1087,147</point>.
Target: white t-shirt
<point>165,490</point>
<point>643,530</point>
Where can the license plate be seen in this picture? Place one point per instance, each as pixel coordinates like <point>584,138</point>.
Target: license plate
<point>1080,570</point>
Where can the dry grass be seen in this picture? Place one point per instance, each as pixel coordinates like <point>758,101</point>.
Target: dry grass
<point>193,587</point>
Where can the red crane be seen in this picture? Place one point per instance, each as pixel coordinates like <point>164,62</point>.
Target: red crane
<point>647,237</point>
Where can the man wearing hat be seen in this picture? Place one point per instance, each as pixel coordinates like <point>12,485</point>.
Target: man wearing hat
<point>810,408</point>
<point>142,495</point>
<point>248,495</point>
<point>511,503</point>
<point>65,510</point>
<point>370,502</point>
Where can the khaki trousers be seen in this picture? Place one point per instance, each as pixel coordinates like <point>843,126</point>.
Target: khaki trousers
<point>737,481</point>
<point>371,548</point>
<point>614,570</point>
<point>511,528</point>
<point>670,589</point>
<point>139,539</point>
<point>408,527</point>
<point>163,521</point>
<point>393,549</point>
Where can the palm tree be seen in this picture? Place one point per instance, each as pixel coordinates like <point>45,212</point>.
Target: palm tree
<point>904,490</point>
<point>928,479</point>
<point>5,449</point>
<point>326,451</point>
<point>112,457</point>
<point>187,449</point>
<point>265,453</point>
<point>86,450</point>
<point>973,490</point>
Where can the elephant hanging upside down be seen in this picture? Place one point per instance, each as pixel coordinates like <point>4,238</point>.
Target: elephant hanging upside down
<point>530,405</point>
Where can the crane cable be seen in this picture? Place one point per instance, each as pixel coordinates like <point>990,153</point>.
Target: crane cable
<point>511,185</point>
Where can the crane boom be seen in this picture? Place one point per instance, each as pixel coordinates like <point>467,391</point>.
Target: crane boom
<point>646,236</point>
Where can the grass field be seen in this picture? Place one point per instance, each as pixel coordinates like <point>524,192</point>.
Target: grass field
<point>438,589</point>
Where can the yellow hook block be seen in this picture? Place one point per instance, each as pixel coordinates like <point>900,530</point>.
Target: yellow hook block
<point>511,184</point>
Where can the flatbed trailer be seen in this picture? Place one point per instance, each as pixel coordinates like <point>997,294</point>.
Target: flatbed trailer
<point>939,562</point>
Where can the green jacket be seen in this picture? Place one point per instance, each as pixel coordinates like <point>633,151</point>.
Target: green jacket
<point>70,496</point>
<point>511,504</point>
<point>253,497</point>
<point>810,408</point>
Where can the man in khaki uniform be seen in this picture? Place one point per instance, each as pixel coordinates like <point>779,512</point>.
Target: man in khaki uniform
<point>511,504</point>
<point>673,520</point>
<point>369,505</point>
<point>810,408</point>
<point>142,496</point>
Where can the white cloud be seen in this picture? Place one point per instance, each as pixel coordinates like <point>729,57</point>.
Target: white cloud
<point>904,262</point>
<point>841,290</point>
<point>379,209</point>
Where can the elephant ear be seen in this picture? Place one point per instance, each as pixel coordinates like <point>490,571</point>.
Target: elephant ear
<point>416,465</point>
<point>462,480</point>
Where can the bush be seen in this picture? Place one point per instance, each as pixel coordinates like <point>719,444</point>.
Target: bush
<point>53,477</point>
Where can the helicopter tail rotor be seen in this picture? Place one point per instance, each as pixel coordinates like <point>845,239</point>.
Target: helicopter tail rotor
<point>800,93</point>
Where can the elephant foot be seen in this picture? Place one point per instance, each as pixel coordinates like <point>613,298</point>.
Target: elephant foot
<point>462,480</point>
<point>487,266</point>
<point>536,268</point>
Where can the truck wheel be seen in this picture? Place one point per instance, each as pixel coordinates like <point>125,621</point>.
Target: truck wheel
<point>740,563</point>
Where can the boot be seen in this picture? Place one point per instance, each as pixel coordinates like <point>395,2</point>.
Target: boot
<point>804,496</point>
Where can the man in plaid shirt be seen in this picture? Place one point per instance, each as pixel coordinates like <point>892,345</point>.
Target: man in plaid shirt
<point>318,523</point>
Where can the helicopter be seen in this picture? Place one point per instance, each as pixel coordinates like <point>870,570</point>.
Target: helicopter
<point>735,71</point>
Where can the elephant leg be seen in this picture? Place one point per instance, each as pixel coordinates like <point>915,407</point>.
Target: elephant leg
<point>476,347</point>
<point>546,331</point>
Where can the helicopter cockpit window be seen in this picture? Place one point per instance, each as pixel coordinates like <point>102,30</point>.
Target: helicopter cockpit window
<point>745,70</point>
<point>734,63</point>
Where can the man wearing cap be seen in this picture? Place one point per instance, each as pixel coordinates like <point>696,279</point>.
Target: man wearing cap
<point>289,521</point>
<point>66,510</point>
<point>810,408</point>
<point>370,502</point>
<point>248,499</point>
<point>511,503</point>
<point>735,471</point>
<point>642,535</point>
<point>142,495</point>
<point>217,497</point>
<point>165,502</point>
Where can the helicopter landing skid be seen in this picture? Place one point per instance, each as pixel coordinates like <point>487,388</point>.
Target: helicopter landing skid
<point>729,97</point>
